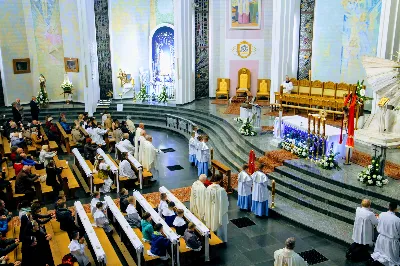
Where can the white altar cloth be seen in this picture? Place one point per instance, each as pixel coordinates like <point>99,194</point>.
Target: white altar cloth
<point>301,123</point>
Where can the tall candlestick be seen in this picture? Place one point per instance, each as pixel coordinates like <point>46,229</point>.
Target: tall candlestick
<point>323,126</point>
<point>309,123</point>
<point>318,125</point>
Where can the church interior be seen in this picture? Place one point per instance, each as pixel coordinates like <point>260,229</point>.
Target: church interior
<point>200,132</point>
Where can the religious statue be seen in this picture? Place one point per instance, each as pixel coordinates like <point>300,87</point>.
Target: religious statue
<point>42,82</point>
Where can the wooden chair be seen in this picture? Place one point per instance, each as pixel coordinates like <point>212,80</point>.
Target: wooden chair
<point>263,89</point>
<point>243,87</point>
<point>316,92</point>
<point>304,87</point>
<point>223,86</point>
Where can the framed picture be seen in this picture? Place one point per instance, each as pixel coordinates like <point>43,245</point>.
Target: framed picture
<point>22,65</point>
<point>245,14</point>
<point>71,64</point>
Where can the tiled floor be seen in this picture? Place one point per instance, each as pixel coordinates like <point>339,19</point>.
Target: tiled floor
<point>253,245</point>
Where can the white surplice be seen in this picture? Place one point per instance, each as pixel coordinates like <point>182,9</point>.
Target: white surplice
<point>197,199</point>
<point>287,87</point>
<point>216,210</point>
<point>125,169</point>
<point>204,152</point>
<point>78,251</point>
<point>89,130</point>
<point>150,158</point>
<point>131,209</point>
<point>192,146</point>
<point>131,125</point>
<point>137,135</point>
<point>363,230</point>
<point>260,187</point>
<point>97,136</point>
<point>93,203</point>
<point>142,145</point>
<point>245,182</point>
<point>287,257</point>
<point>387,246</point>
<point>161,206</point>
<point>127,145</point>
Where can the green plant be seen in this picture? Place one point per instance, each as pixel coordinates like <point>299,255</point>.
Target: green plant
<point>371,175</point>
<point>163,97</point>
<point>142,95</point>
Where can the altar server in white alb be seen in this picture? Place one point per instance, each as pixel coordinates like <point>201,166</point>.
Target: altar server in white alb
<point>287,257</point>
<point>198,196</point>
<point>387,246</point>
<point>260,196</point>
<point>199,140</point>
<point>205,157</point>
<point>125,168</point>
<point>142,143</point>
<point>77,249</point>
<point>125,143</point>
<point>287,85</point>
<point>245,182</point>
<point>192,149</point>
<point>137,135</point>
<point>150,157</point>
<point>216,211</point>
<point>98,134</point>
<point>363,230</point>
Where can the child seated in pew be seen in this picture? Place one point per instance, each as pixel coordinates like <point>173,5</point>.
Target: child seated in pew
<point>169,213</point>
<point>163,203</point>
<point>179,223</point>
<point>77,249</point>
<point>191,239</point>
<point>95,200</point>
<point>159,244</point>
<point>132,216</point>
<point>123,199</point>
<point>101,219</point>
<point>147,227</point>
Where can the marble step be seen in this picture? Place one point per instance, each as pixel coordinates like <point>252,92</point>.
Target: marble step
<point>313,220</point>
<point>345,179</point>
<point>316,205</point>
<point>335,190</point>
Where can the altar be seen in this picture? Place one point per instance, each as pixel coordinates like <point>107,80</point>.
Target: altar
<point>301,123</point>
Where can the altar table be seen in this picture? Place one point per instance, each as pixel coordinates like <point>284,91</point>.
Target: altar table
<point>301,123</point>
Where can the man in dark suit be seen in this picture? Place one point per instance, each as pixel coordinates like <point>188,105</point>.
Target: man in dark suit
<point>34,109</point>
<point>16,114</point>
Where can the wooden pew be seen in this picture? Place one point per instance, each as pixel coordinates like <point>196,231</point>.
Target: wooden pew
<point>113,167</point>
<point>208,237</point>
<point>121,179</point>
<point>70,184</point>
<point>41,188</point>
<point>104,251</point>
<point>6,147</point>
<point>142,204</point>
<point>17,198</point>
<point>84,170</point>
<point>127,236</point>
<point>65,138</point>
<point>52,144</point>
<point>224,170</point>
<point>97,182</point>
<point>83,131</point>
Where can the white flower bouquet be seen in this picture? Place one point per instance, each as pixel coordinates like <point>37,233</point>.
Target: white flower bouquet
<point>66,86</point>
<point>297,147</point>
<point>328,162</point>
<point>247,128</point>
<point>371,174</point>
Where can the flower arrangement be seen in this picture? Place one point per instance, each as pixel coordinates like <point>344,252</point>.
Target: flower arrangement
<point>66,86</point>
<point>142,95</point>
<point>328,162</point>
<point>247,128</point>
<point>296,147</point>
<point>371,174</point>
<point>163,97</point>
<point>360,91</point>
<point>42,97</point>
<point>238,120</point>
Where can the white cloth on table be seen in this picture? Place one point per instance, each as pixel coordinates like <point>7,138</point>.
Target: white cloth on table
<point>287,87</point>
<point>127,145</point>
<point>137,135</point>
<point>245,182</point>
<point>260,187</point>
<point>192,146</point>
<point>387,246</point>
<point>197,199</point>
<point>363,230</point>
<point>97,136</point>
<point>216,210</point>
<point>287,257</point>
<point>125,169</point>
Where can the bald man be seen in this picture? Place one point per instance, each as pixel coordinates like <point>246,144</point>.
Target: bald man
<point>24,183</point>
<point>198,196</point>
<point>125,143</point>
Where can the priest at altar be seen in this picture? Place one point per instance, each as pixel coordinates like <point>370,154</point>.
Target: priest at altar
<point>216,211</point>
<point>197,197</point>
<point>287,257</point>
<point>150,157</point>
<point>287,85</point>
<point>138,133</point>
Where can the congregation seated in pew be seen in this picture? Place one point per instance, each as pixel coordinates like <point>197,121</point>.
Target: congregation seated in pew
<point>179,223</point>
<point>123,199</point>
<point>101,219</point>
<point>159,243</point>
<point>132,215</point>
<point>77,249</point>
<point>191,239</point>
<point>147,227</point>
<point>169,214</point>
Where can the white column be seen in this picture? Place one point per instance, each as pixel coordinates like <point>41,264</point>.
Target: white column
<point>89,72</point>
<point>184,50</point>
<point>283,42</point>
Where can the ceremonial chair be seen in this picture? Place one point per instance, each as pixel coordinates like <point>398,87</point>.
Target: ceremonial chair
<point>263,88</point>
<point>328,96</point>
<point>223,86</point>
<point>316,93</point>
<point>243,88</point>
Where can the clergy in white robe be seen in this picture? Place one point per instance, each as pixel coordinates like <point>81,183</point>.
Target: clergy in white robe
<point>205,157</point>
<point>150,157</point>
<point>260,195</point>
<point>125,143</point>
<point>77,249</point>
<point>387,246</point>
<point>125,168</point>
<point>363,230</point>
<point>287,85</point>
<point>245,182</point>
<point>142,143</point>
<point>130,124</point>
<point>98,134</point>
<point>198,142</point>
<point>137,135</point>
<point>216,211</point>
<point>197,197</point>
<point>192,149</point>
<point>287,257</point>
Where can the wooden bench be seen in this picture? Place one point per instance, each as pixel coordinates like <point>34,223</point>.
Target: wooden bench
<point>81,179</point>
<point>65,138</point>
<point>11,233</point>
<point>17,198</point>
<point>52,144</point>
<point>70,184</point>
<point>122,179</point>
<point>41,187</point>
<point>6,147</point>
<point>146,246</point>
<point>97,182</point>
<point>31,149</point>
<point>224,170</point>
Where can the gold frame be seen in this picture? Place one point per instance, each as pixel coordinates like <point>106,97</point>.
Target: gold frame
<point>22,60</point>
<point>76,61</point>
<point>238,49</point>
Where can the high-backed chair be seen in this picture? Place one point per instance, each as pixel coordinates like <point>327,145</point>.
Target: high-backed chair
<point>342,89</point>
<point>329,90</point>
<point>316,93</point>
<point>243,88</point>
<point>304,87</point>
<point>223,86</point>
<point>263,88</point>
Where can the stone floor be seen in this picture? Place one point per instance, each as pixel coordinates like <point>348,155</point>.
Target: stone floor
<point>252,245</point>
